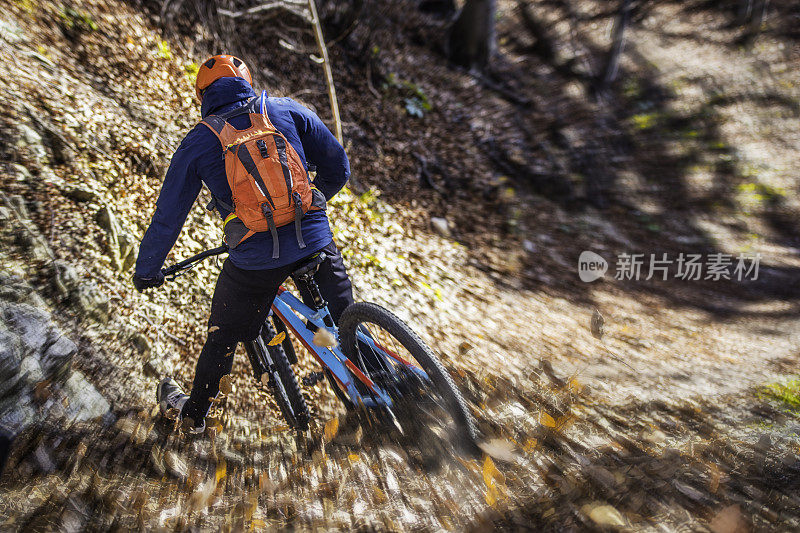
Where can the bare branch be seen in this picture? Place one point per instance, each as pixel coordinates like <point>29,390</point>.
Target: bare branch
<point>293,6</point>
<point>337,122</point>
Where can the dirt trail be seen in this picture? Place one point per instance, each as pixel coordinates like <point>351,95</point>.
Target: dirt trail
<point>663,425</point>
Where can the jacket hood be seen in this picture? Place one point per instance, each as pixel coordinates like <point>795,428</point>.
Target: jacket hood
<point>225,94</point>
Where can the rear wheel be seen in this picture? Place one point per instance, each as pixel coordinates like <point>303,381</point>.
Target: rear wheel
<point>431,397</point>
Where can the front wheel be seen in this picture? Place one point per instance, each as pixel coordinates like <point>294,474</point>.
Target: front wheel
<point>271,366</point>
<point>403,349</point>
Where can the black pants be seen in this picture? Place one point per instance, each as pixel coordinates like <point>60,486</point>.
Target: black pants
<point>242,299</point>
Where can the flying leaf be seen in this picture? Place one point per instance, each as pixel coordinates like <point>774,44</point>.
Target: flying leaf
<point>331,429</point>
<point>729,520</point>
<point>499,449</point>
<point>324,337</point>
<point>226,384</point>
<point>277,339</point>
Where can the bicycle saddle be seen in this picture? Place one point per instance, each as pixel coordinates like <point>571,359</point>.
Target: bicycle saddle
<point>310,265</point>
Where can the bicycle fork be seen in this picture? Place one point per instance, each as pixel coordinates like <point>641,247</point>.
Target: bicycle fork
<point>260,359</point>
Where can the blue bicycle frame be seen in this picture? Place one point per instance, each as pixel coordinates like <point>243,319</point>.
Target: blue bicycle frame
<point>286,307</point>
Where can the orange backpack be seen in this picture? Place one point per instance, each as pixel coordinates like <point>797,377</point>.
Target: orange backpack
<point>269,183</point>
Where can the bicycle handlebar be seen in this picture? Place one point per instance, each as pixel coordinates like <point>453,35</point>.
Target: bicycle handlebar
<point>186,264</point>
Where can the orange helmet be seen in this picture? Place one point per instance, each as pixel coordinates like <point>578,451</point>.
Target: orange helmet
<point>221,66</point>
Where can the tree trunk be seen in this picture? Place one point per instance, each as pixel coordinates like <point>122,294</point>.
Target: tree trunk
<point>618,43</point>
<point>471,42</point>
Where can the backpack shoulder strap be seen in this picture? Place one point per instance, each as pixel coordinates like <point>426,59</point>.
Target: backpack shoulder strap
<point>216,124</point>
<point>263,109</point>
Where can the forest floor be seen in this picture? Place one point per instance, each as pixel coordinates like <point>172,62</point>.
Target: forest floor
<point>684,415</point>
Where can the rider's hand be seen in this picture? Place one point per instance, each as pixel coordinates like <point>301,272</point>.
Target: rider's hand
<point>142,283</point>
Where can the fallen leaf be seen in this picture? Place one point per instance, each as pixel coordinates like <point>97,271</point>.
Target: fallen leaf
<point>714,476</point>
<point>491,496</point>
<point>331,429</point>
<point>201,497</point>
<point>603,515</point>
<point>491,473</point>
<point>265,484</point>
<point>176,464</point>
<point>221,471</point>
<point>546,420</point>
<point>597,324</point>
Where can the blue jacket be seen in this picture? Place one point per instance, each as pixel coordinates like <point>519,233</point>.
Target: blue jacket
<point>199,160</point>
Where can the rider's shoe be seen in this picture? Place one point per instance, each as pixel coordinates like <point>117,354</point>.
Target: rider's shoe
<point>171,400</point>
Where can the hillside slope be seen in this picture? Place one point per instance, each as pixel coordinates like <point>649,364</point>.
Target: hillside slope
<point>666,420</point>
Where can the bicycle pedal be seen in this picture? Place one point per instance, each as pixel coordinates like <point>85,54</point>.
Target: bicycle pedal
<point>313,378</point>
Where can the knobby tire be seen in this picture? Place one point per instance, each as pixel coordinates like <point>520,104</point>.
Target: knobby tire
<point>442,382</point>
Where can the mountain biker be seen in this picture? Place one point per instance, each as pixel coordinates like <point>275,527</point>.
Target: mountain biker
<point>251,274</point>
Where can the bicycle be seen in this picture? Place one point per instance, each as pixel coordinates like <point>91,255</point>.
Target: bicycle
<point>390,371</point>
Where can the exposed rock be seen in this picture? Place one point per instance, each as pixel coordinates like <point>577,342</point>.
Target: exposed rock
<point>11,31</point>
<point>31,325</point>
<point>85,403</point>
<point>440,226</point>
<point>127,250</point>
<point>92,302</point>
<point>84,295</point>
<point>55,361</point>
<point>21,173</point>
<point>31,142</point>
<point>14,289</point>
<point>10,358</point>
<point>31,371</point>
<point>108,222</point>
<point>35,360</point>
<point>119,243</point>
<point>27,234</point>
<point>17,414</point>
